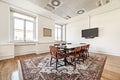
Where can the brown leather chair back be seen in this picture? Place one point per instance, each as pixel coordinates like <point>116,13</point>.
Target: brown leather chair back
<point>87,46</point>
<point>83,47</point>
<point>68,43</point>
<point>76,50</point>
<point>56,44</point>
<point>53,50</point>
<point>63,43</point>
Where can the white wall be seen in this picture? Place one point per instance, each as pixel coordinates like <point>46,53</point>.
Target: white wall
<point>4,22</point>
<point>45,23</point>
<point>15,49</point>
<point>6,49</point>
<point>22,49</point>
<point>42,45</point>
<point>43,42</point>
<point>109,31</point>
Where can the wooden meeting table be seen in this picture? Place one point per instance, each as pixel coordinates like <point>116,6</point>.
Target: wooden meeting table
<point>66,49</point>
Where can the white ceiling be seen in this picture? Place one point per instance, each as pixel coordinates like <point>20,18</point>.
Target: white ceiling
<point>67,7</point>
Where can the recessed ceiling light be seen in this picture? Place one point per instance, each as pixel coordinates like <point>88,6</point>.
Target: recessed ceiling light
<point>80,11</point>
<point>67,17</point>
<point>55,2</point>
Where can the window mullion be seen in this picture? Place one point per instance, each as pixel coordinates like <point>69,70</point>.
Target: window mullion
<point>61,33</point>
<point>13,29</point>
<point>24,34</point>
<point>34,31</point>
<point>24,30</point>
<point>57,34</point>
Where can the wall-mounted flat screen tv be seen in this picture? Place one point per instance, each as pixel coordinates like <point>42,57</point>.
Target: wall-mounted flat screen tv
<point>90,33</point>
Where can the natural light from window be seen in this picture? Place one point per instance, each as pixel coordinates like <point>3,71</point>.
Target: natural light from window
<point>59,33</point>
<point>24,27</point>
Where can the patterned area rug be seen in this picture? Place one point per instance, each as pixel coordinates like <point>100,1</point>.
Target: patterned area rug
<point>39,69</point>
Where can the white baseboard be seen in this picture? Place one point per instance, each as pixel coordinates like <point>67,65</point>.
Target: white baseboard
<point>6,57</point>
<point>40,52</point>
<point>24,53</point>
<point>107,53</point>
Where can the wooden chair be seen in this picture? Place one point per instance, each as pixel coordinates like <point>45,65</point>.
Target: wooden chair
<point>85,50</point>
<point>56,44</point>
<point>82,43</point>
<point>63,43</point>
<point>74,55</point>
<point>56,54</point>
<point>68,43</point>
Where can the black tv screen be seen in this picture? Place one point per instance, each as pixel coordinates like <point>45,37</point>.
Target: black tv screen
<point>90,33</point>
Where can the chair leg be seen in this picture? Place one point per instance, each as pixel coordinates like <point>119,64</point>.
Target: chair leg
<point>75,65</point>
<point>71,60</point>
<point>65,59</point>
<point>85,54</point>
<point>56,63</point>
<point>50,61</point>
<point>88,54</point>
<point>83,59</point>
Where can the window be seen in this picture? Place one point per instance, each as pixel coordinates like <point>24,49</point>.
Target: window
<point>64,33</point>
<point>59,33</point>
<point>24,27</point>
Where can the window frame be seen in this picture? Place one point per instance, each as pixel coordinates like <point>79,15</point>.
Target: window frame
<point>62,35</point>
<point>12,39</point>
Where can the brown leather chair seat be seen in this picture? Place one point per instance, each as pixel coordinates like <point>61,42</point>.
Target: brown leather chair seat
<point>74,55</point>
<point>59,56</point>
<point>56,54</point>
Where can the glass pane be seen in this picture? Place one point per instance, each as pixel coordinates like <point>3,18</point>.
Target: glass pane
<point>23,16</point>
<point>18,29</point>
<point>18,24</point>
<point>56,34</point>
<point>29,30</point>
<point>58,26</point>
<point>19,35</point>
<point>63,36</point>
<point>59,34</point>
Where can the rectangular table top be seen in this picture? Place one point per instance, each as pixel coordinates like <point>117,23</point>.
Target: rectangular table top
<point>71,46</point>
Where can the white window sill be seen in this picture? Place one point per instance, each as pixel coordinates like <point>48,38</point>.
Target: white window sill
<point>24,44</point>
<point>16,43</point>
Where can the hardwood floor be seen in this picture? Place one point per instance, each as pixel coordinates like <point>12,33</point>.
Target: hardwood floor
<point>112,68</point>
<point>9,67</point>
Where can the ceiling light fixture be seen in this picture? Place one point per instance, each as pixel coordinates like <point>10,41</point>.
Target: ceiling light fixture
<point>80,11</point>
<point>55,2</point>
<point>67,17</point>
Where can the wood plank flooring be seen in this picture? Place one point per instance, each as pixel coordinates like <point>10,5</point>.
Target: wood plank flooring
<point>9,67</point>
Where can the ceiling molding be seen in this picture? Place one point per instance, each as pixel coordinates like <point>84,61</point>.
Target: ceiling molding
<point>114,5</point>
<point>18,4</point>
<point>36,9</point>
